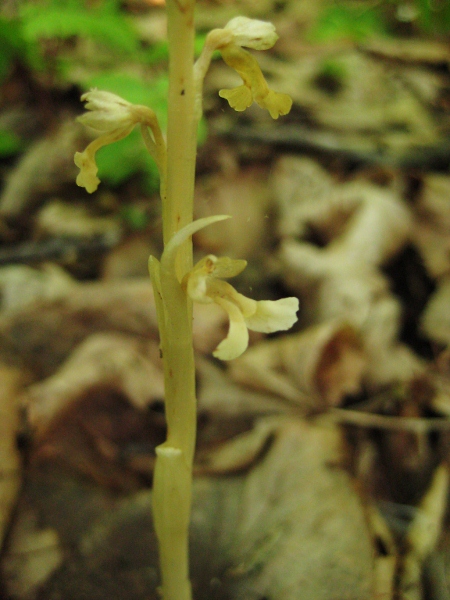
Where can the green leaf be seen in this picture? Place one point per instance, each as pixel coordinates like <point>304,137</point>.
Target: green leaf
<point>434,17</point>
<point>118,162</point>
<point>104,24</point>
<point>10,143</point>
<point>347,22</point>
<point>12,45</point>
<point>135,217</point>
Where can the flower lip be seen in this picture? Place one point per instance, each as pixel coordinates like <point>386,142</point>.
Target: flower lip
<point>252,33</point>
<point>87,176</point>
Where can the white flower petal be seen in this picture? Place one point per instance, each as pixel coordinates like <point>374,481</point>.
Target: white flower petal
<point>197,287</point>
<point>100,100</point>
<point>226,267</point>
<point>252,33</point>
<point>106,121</point>
<point>236,341</point>
<point>274,315</point>
<point>106,111</point>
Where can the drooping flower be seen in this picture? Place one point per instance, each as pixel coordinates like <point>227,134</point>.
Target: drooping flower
<point>114,118</point>
<point>252,33</point>
<point>239,33</point>
<point>204,284</point>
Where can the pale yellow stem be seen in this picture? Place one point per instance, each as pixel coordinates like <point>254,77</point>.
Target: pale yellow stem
<point>182,125</point>
<point>173,471</point>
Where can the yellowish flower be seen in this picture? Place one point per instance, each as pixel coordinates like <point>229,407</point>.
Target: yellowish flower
<point>239,33</point>
<point>252,33</point>
<point>115,118</point>
<point>204,284</point>
<point>106,112</point>
<point>259,35</point>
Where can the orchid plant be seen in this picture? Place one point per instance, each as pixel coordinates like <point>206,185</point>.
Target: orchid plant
<point>176,282</point>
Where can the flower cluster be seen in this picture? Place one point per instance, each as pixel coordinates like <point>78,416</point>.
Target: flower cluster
<point>204,284</point>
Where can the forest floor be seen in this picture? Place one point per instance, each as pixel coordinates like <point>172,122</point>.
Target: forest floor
<point>322,463</point>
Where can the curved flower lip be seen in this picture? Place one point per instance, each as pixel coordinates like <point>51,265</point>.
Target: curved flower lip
<point>254,87</point>
<point>236,341</point>
<point>238,98</point>
<point>87,177</point>
<point>252,33</point>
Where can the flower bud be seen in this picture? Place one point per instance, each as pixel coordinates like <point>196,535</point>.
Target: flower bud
<point>108,111</point>
<point>252,33</point>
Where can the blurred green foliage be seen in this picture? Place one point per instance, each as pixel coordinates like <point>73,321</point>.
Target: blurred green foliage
<point>434,15</point>
<point>10,144</point>
<point>24,34</point>
<point>43,36</point>
<point>64,19</point>
<point>358,20</point>
<point>347,21</point>
<point>136,218</point>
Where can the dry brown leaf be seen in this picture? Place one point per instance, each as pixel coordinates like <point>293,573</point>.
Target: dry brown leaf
<point>109,359</point>
<point>315,368</point>
<point>431,232</point>
<point>245,195</point>
<point>414,50</point>
<point>219,395</point>
<point>301,530</point>
<point>423,534</point>
<point>372,106</point>
<point>237,454</point>
<point>22,286</point>
<point>33,554</point>
<point>290,526</point>
<point>58,218</point>
<point>386,559</point>
<point>129,259</point>
<point>41,336</point>
<point>361,227</point>
<point>46,164</point>
<point>436,316</point>
<point>12,381</point>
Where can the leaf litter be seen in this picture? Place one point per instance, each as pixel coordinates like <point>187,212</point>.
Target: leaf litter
<point>321,468</point>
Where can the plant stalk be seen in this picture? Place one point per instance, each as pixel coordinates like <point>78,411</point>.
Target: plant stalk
<point>173,471</point>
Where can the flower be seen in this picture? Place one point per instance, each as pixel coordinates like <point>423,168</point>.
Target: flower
<point>239,33</point>
<point>258,35</point>
<point>108,112</point>
<point>203,284</point>
<point>252,33</point>
<point>115,118</point>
